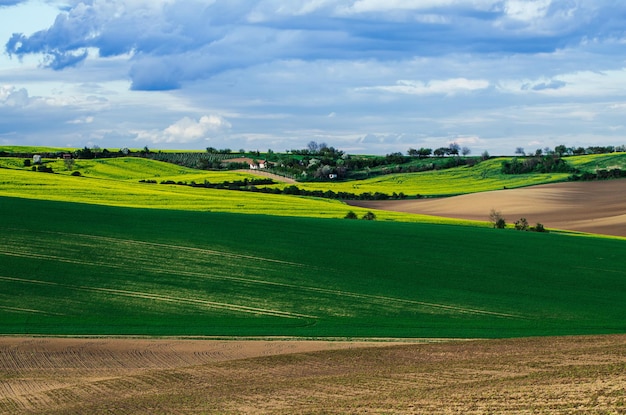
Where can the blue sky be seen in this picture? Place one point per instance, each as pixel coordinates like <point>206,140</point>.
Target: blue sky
<point>365,76</point>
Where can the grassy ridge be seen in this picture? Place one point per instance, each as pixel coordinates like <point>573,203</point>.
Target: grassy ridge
<point>110,185</point>
<point>482,177</point>
<point>88,269</point>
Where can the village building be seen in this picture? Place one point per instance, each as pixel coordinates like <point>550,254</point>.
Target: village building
<point>252,163</point>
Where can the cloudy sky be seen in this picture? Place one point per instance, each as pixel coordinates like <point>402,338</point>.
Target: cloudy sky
<point>365,76</point>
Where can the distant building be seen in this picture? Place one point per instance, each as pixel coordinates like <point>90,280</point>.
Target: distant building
<point>253,164</point>
<point>36,159</point>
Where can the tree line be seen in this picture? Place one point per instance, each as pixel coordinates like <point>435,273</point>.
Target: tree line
<point>250,185</point>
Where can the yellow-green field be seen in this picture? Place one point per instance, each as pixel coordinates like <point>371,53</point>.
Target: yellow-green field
<point>482,177</point>
<point>115,182</point>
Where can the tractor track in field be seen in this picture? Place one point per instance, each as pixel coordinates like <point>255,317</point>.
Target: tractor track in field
<point>167,298</point>
<point>224,254</point>
<point>384,300</point>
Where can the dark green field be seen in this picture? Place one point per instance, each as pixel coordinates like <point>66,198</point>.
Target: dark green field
<point>72,269</point>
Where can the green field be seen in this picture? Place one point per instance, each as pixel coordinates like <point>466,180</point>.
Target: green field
<point>482,177</point>
<point>115,182</point>
<point>81,269</point>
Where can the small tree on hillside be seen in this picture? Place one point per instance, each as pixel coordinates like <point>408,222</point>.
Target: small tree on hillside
<point>496,218</point>
<point>521,225</point>
<point>369,216</point>
<point>350,215</point>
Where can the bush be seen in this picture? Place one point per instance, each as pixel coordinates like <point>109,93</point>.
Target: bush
<point>539,228</point>
<point>369,216</point>
<point>350,215</point>
<point>521,225</point>
<point>76,173</point>
<point>497,219</point>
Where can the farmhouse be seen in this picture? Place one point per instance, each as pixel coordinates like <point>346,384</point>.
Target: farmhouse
<point>253,163</point>
<point>36,159</point>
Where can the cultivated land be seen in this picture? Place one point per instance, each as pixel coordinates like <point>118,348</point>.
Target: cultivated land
<point>177,270</point>
<point>593,207</point>
<point>564,375</point>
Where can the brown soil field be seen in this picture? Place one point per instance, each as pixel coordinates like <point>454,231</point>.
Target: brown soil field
<point>594,207</point>
<point>559,375</point>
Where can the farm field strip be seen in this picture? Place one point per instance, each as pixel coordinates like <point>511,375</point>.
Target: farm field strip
<point>77,240</point>
<point>118,271</point>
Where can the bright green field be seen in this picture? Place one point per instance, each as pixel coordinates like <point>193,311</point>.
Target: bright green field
<point>79,269</point>
<point>460,180</point>
<point>115,182</point>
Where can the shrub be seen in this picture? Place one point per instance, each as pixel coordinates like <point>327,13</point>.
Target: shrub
<point>369,216</point>
<point>496,218</point>
<point>539,228</point>
<point>76,173</point>
<point>521,225</point>
<point>350,215</point>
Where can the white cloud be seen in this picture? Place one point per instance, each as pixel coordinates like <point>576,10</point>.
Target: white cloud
<point>445,87</point>
<point>186,130</point>
<point>82,120</point>
<point>367,6</point>
<point>526,10</point>
<point>10,96</point>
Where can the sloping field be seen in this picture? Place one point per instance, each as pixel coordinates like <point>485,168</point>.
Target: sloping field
<point>567,375</point>
<point>595,207</point>
<point>125,191</point>
<point>73,269</point>
<point>482,177</point>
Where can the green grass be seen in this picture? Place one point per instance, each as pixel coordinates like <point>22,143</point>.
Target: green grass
<point>79,269</point>
<point>593,162</point>
<point>482,177</point>
<point>116,183</point>
<point>35,149</point>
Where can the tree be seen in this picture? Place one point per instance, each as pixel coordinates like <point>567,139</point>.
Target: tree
<point>521,224</point>
<point>69,163</point>
<point>496,218</point>
<point>412,152</point>
<point>350,215</point>
<point>539,228</point>
<point>313,146</point>
<point>560,150</point>
<point>520,151</point>
<point>466,151</point>
<point>485,155</point>
<point>440,152</point>
<point>369,216</point>
<point>424,152</point>
<point>454,149</point>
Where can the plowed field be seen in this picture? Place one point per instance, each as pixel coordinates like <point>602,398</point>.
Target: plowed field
<point>559,375</point>
<point>596,207</point>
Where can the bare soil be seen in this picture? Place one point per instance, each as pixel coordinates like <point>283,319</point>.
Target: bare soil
<point>595,207</point>
<point>563,375</point>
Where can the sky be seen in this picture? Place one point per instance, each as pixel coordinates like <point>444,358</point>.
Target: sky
<point>364,76</point>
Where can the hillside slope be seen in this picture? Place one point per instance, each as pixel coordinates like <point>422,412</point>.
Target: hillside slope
<point>595,207</point>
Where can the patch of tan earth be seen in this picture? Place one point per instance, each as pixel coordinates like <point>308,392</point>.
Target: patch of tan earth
<point>595,207</point>
<point>275,177</point>
<point>561,375</point>
<point>38,372</point>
